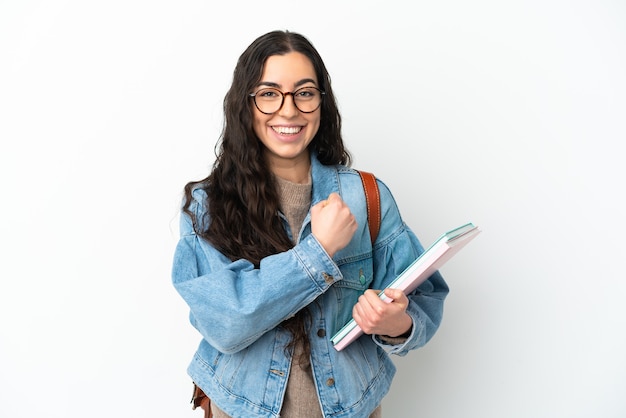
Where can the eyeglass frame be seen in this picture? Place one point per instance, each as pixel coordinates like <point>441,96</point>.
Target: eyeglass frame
<point>285,93</point>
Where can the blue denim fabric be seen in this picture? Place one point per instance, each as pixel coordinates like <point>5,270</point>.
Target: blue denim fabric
<point>241,362</point>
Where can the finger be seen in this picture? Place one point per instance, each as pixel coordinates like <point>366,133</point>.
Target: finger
<point>363,305</point>
<point>372,304</point>
<point>397,297</point>
<point>363,313</point>
<point>317,208</point>
<point>372,295</point>
<point>394,294</point>
<point>333,197</point>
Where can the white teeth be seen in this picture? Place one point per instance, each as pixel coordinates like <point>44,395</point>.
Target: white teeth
<point>287,130</point>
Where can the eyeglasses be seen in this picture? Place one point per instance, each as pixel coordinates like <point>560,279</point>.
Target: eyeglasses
<point>270,100</point>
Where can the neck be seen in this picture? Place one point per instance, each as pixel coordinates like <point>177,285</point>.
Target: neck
<point>294,170</point>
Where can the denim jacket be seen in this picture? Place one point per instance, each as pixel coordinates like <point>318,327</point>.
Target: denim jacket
<point>241,363</point>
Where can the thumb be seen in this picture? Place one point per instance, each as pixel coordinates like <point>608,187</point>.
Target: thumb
<point>394,293</point>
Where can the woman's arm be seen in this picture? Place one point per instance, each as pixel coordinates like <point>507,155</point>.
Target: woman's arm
<point>233,303</point>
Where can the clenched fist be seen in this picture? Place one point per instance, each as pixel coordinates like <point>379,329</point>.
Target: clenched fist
<point>332,223</point>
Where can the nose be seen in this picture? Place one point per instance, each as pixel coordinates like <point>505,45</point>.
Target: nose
<point>288,108</point>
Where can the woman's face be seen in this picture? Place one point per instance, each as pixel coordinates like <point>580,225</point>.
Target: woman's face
<point>287,132</point>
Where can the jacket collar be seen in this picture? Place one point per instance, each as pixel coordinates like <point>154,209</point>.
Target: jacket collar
<point>325,180</point>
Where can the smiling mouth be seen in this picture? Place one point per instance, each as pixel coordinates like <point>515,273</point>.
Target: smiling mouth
<point>287,130</point>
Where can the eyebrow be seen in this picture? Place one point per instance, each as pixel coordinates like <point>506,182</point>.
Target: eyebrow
<point>298,83</point>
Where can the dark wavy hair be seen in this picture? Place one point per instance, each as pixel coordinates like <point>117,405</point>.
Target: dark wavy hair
<point>243,201</point>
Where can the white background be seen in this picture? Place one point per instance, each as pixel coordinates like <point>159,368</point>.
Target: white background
<point>510,114</point>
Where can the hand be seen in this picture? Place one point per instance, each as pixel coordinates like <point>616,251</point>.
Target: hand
<point>332,223</point>
<point>376,316</point>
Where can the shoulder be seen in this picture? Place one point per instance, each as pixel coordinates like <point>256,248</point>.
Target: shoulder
<point>350,179</point>
<point>352,190</point>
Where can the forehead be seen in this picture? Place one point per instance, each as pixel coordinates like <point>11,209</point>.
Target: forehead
<point>287,70</point>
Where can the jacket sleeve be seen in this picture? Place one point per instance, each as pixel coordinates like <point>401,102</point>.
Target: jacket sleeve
<point>396,248</point>
<point>232,304</point>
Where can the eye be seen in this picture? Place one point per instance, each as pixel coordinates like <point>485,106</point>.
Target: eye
<point>306,93</point>
<point>268,94</point>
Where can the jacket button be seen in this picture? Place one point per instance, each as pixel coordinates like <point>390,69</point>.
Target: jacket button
<point>321,332</point>
<point>330,382</point>
<point>328,278</point>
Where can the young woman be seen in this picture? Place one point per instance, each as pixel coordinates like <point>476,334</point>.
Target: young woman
<point>275,254</point>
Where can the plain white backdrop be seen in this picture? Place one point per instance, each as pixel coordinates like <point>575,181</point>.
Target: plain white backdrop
<point>509,114</point>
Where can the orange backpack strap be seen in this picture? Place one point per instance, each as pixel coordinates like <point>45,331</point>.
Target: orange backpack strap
<point>200,399</point>
<point>372,198</point>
